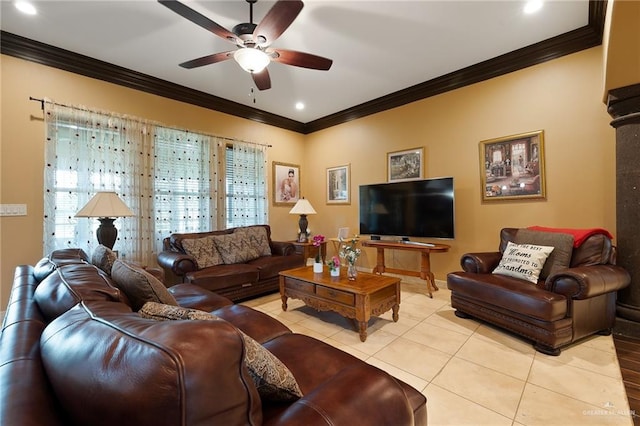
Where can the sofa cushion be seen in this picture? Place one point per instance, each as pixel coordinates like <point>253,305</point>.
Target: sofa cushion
<point>203,250</point>
<point>257,237</point>
<point>139,285</point>
<point>104,258</point>
<point>560,257</point>
<point>523,261</point>
<point>224,276</point>
<point>234,248</point>
<point>273,379</point>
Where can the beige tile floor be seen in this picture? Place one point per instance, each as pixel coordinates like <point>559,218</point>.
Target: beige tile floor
<point>470,372</point>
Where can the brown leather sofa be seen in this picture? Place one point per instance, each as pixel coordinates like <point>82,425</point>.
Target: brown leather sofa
<point>232,279</point>
<point>571,303</point>
<point>72,352</point>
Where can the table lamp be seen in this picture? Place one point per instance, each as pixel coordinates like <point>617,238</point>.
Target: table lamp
<point>303,208</point>
<point>106,206</point>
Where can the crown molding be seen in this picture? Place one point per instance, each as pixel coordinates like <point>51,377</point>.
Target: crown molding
<point>564,44</point>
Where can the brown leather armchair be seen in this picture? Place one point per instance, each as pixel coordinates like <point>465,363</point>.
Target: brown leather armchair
<point>571,303</point>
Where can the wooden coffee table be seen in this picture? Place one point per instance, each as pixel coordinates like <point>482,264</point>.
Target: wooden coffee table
<point>368,295</point>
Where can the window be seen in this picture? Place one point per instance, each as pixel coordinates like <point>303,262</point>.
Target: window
<point>245,185</point>
<point>173,180</point>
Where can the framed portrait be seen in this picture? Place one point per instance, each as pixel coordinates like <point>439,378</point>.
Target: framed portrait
<point>405,165</point>
<point>286,184</point>
<point>338,184</point>
<point>512,167</point>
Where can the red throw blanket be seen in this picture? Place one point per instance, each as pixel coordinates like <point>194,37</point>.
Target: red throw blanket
<point>579,235</point>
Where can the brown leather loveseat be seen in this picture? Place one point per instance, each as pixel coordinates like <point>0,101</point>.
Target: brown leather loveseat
<point>574,297</point>
<point>236,263</point>
<point>73,352</point>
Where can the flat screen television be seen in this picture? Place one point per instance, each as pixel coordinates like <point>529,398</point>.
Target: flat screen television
<point>419,208</point>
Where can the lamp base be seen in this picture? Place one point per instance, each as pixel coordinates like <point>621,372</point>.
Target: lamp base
<point>303,223</point>
<point>106,232</point>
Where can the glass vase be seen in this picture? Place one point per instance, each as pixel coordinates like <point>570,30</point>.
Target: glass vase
<point>352,272</point>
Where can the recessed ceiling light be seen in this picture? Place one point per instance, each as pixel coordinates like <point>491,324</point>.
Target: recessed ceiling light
<point>532,6</point>
<point>299,105</point>
<point>25,7</point>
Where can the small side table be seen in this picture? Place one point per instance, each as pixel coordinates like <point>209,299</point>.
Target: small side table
<point>309,250</point>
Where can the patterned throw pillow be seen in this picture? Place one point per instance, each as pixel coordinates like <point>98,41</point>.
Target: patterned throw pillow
<point>234,248</point>
<point>560,257</point>
<point>272,378</point>
<point>203,250</point>
<point>139,285</point>
<point>523,261</point>
<point>104,258</point>
<point>257,236</point>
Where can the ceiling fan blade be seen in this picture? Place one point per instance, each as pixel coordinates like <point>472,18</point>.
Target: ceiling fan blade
<point>207,60</point>
<point>199,19</point>
<point>301,59</point>
<point>262,79</point>
<point>276,21</point>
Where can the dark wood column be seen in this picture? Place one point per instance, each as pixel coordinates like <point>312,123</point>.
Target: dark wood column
<point>623,105</point>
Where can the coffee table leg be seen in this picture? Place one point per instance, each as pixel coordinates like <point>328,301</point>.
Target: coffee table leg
<point>284,302</point>
<point>362,329</point>
<point>395,309</point>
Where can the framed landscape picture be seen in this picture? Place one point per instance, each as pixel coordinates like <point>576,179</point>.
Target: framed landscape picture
<point>286,184</point>
<point>338,185</point>
<point>512,167</point>
<point>405,165</point>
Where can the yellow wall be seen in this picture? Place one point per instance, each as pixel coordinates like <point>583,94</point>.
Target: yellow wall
<point>561,97</point>
<point>621,43</point>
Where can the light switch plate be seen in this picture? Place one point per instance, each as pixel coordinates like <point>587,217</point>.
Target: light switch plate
<point>13,209</point>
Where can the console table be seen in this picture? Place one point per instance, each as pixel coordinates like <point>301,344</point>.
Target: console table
<point>425,263</point>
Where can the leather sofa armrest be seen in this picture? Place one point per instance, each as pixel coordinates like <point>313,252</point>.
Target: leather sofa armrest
<point>588,281</point>
<point>371,393</point>
<point>178,263</point>
<point>282,248</point>
<point>480,263</point>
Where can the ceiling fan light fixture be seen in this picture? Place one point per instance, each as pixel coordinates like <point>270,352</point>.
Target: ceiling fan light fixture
<point>251,60</point>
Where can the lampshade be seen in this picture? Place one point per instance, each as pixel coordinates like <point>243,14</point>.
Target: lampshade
<point>303,206</point>
<point>251,59</point>
<point>105,204</point>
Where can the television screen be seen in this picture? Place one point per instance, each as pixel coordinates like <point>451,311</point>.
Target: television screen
<point>420,208</point>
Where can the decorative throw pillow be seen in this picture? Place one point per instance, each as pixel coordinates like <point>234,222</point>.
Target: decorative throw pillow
<point>203,250</point>
<point>104,258</point>
<point>272,378</point>
<point>257,236</point>
<point>139,285</point>
<point>560,257</point>
<point>234,248</point>
<point>523,261</point>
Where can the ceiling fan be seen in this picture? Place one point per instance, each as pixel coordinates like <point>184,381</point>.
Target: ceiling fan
<point>253,41</point>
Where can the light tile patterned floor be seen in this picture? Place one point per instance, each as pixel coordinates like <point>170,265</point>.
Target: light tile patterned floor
<point>470,372</point>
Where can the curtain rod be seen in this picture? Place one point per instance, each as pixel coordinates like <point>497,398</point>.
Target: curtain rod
<point>42,101</point>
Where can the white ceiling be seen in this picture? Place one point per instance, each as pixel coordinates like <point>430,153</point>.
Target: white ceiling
<point>377,47</point>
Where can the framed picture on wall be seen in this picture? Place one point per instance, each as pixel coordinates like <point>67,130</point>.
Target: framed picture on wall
<point>286,184</point>
<point>338,185</point>
<point>512,167</point>
<point>405,165</point>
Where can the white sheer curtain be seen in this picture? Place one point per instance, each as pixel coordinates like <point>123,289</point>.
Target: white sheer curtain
<point>246,186</point>
<point>173,180</point>
<point>187,175</point>
<point>87,152</point>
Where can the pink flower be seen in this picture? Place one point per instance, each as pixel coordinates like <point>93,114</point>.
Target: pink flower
<point>318,240</point>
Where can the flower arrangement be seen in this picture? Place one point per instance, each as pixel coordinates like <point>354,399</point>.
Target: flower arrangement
<point>349,251</point>
<point>317,242</point>
<point>334,263</point>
